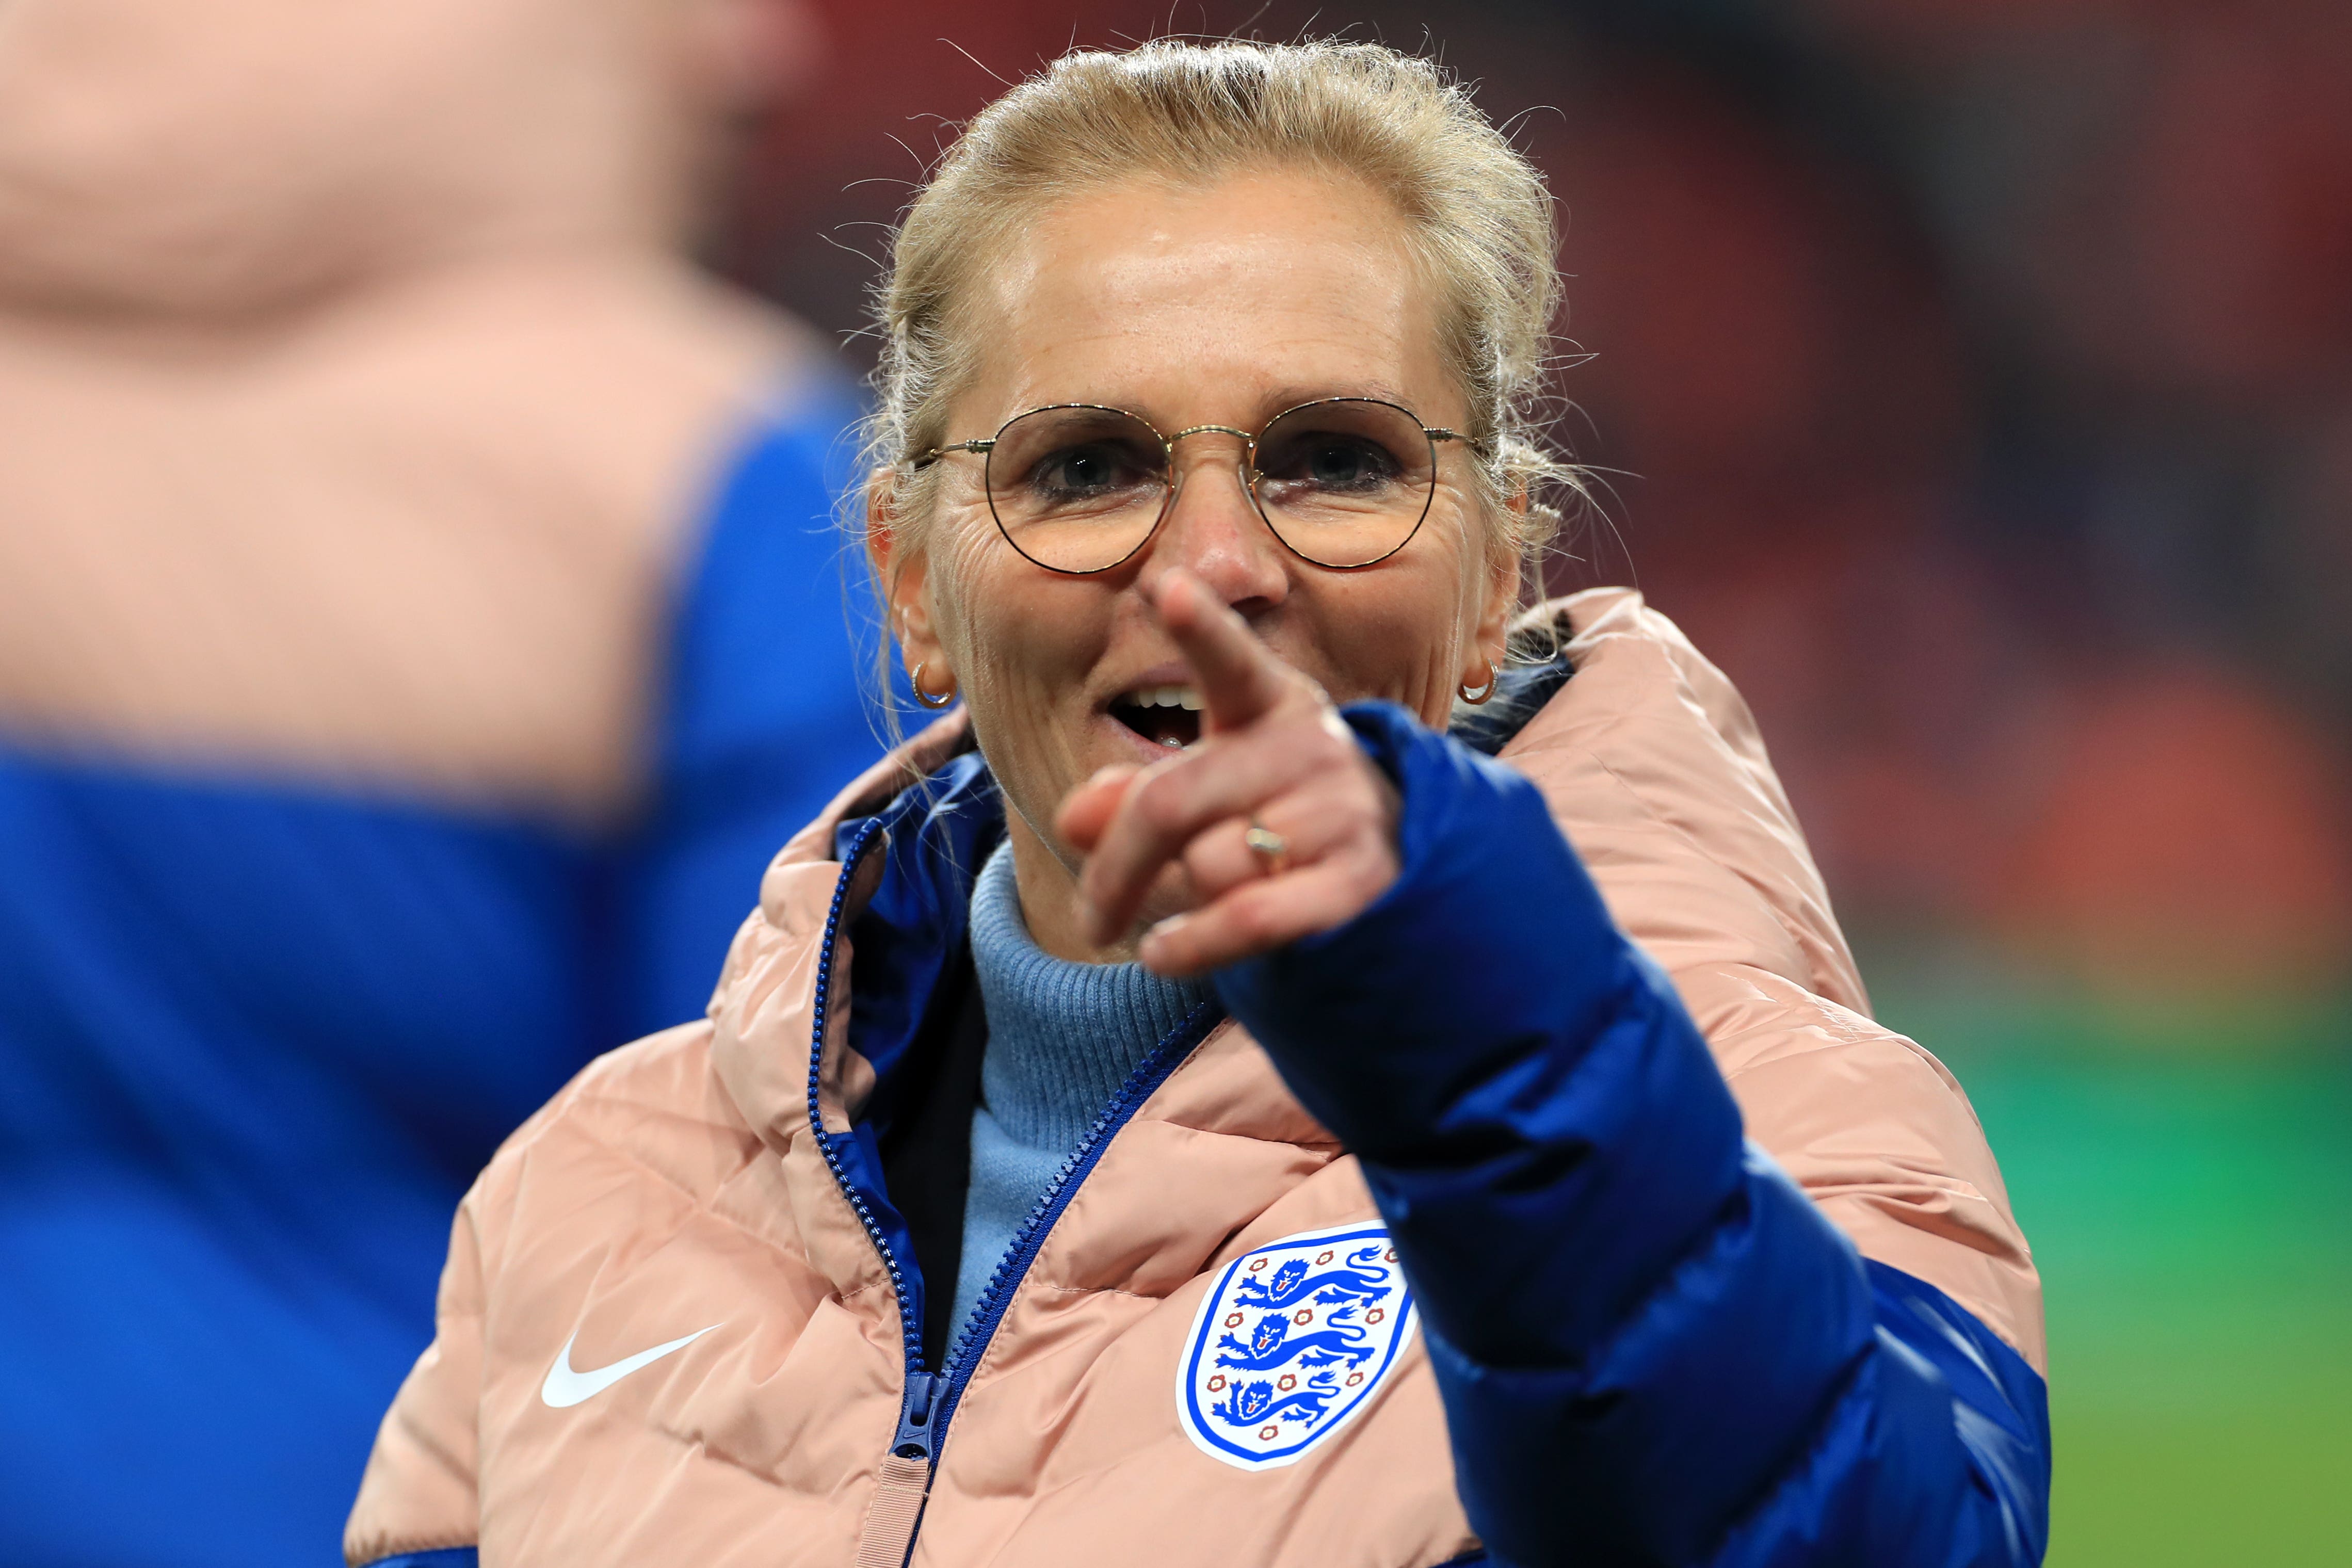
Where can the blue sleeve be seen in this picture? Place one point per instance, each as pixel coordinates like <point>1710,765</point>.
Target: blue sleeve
<point>761,718</point>
<point>1651,1347</point>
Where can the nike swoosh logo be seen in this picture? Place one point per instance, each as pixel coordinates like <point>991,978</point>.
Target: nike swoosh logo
<point>566,1387</point>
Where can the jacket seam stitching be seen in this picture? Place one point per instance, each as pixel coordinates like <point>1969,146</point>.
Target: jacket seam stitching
<point>1616,722</point>
<point>1780,921</point>
<point>1094,1291</point>
<point>700,1203</point>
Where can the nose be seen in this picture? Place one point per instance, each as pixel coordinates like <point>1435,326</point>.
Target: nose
<point>1212,529</point>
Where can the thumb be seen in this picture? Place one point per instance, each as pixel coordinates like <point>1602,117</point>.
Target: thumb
<point>1085,812</point>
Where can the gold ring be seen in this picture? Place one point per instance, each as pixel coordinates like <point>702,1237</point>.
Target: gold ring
<point>1273,851</point>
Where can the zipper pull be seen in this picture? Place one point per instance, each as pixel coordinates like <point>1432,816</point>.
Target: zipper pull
<point>914,1438</point>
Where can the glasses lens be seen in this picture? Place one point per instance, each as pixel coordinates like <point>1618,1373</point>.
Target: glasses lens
<point>1345,482</point>
<point>1077,489</point>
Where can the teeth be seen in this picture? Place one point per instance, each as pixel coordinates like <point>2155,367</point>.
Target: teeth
<point>1185,697</point>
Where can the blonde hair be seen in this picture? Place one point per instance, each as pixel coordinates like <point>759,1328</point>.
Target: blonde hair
<point>1477,211</point>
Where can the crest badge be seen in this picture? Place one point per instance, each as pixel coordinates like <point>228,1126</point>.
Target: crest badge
<point>1291,1342</point>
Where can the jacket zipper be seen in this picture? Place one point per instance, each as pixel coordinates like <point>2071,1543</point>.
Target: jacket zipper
<point>971,1341</point>
<point>930,1397</point>
<point>911,1333</point>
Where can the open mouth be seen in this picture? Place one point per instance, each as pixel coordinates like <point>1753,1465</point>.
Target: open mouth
<point>1164,715</point>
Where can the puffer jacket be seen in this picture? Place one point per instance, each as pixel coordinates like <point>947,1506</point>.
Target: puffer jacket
<point>1475,1232</point>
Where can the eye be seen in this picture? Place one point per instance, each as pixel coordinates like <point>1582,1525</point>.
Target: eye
<point>1337,462</point>
<point>1348,462</point>
<point>1076,472</point>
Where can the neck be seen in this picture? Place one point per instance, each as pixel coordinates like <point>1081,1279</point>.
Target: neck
<point>1049,899</point>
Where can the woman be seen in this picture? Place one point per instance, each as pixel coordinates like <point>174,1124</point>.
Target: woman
<point>1187,1107</point>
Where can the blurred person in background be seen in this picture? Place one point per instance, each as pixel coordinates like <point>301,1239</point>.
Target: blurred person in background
<point>1162,1117</point>
<point>418,623</point>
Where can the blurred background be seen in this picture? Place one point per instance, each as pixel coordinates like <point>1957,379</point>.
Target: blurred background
<point>1973,378</point>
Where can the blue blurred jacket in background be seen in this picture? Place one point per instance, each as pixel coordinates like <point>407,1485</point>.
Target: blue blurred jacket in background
<point>257,1035</point>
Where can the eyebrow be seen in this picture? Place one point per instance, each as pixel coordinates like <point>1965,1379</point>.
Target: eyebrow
<point>1281,398</point>
<point>1274,402</point>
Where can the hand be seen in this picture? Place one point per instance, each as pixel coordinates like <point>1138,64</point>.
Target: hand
<point>1272,749</point>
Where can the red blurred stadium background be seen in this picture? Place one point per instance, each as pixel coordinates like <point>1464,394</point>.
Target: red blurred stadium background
<point>1973,380</point>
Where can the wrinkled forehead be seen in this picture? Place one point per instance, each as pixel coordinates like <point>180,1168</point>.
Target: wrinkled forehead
<point>1222,301</point>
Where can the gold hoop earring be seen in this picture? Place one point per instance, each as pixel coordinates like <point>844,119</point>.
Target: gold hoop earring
<point>1484,693</point>
<point>915,678</point>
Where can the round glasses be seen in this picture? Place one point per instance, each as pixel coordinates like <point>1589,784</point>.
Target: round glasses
<point>1343,481</point>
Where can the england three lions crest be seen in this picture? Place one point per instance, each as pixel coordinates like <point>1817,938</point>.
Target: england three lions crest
<point>1291,1342</point>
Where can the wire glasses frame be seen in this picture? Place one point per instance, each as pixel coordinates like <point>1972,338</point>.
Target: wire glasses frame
<point>1079,488</point>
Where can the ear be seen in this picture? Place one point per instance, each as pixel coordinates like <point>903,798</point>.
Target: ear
<point>904,572</point>
<point>1498,603</point>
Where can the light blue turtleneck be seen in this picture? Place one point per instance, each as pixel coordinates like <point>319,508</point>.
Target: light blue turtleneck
<point>1062,1040</point>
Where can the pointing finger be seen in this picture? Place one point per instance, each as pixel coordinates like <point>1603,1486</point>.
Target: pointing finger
<point>1241,679</point>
